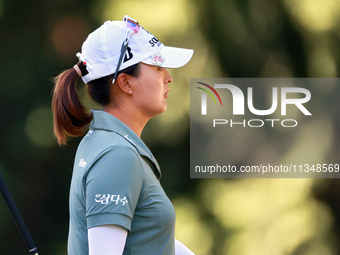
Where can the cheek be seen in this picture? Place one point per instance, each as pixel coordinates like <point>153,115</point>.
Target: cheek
<point>152,88</point>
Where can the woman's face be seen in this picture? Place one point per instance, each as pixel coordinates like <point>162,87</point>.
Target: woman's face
<point>150,89</point>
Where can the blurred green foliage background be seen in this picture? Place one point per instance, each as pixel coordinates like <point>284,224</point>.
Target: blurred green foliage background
<point>234,38</point>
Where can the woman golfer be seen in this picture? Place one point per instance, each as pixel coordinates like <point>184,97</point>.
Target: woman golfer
<point>117,205</point>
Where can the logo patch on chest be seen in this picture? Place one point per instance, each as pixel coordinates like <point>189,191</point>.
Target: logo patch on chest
<point>82,163</point>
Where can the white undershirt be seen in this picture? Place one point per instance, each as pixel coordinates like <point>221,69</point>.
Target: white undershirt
<point>110,240</point>
<point>181,249</point>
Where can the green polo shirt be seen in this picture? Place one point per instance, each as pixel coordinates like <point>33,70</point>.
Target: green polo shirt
<point>116,181</point>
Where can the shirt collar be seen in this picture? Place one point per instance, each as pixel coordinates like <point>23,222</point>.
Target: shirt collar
<point>105,121</point>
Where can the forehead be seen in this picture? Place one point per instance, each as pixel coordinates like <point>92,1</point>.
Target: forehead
<point>148,72</point>
<point>147,67</point>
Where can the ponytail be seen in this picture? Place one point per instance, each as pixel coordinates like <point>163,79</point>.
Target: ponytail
<point>69,114</point>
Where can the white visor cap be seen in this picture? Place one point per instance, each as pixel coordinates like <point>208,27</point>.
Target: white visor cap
<point>102,48</point>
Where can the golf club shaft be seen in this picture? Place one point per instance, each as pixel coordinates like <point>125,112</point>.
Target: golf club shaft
<point>17,217</point>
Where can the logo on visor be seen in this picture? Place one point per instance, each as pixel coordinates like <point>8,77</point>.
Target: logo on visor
<point>128,55</point>
<point>154,41</point>
<point>157,59</point>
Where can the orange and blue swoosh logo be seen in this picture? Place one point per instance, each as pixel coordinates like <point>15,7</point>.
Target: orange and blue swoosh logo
<point>209,93</point>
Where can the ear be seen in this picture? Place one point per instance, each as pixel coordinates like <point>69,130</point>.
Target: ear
<point>124,82</point>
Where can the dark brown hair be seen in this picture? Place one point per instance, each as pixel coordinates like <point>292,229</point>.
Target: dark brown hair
<point>70,117</point>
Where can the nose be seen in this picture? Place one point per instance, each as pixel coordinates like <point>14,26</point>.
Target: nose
<point>168,78</point>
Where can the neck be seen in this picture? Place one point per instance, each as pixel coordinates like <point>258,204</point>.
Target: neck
<point>130,118</point>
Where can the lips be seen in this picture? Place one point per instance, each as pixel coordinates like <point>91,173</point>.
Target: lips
<point>166,94</point>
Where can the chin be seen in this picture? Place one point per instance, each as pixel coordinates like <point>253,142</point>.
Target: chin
<point>166,107</point>
<point>161,110</point>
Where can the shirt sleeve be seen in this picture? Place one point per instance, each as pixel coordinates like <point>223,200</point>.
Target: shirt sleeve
<point>113,187</point>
